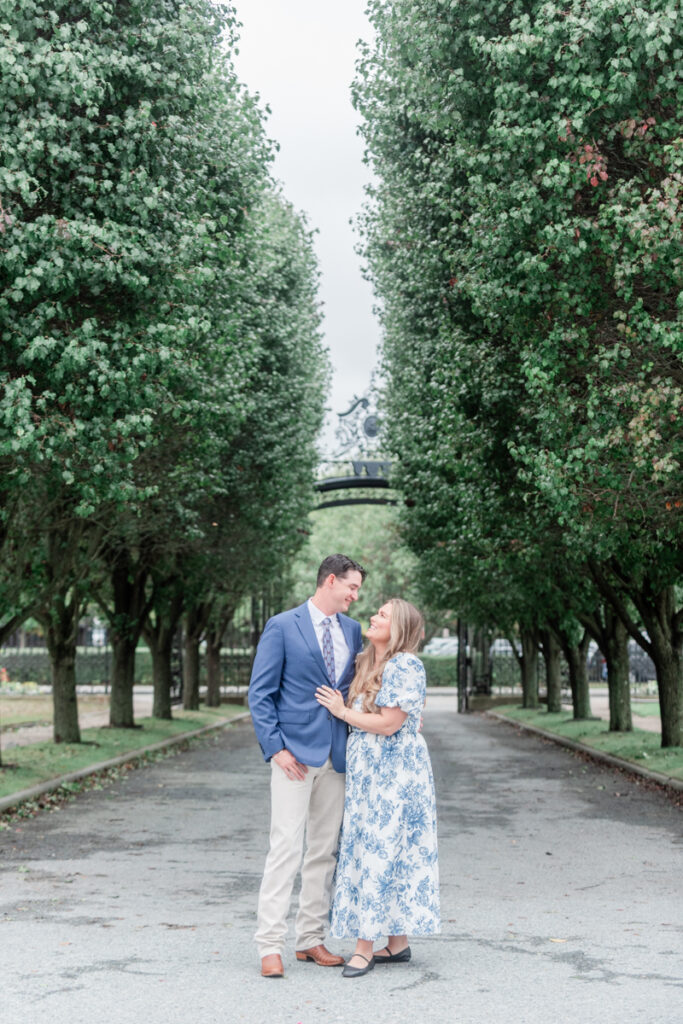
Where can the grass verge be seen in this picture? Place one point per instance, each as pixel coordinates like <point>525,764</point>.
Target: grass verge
<point>645,709</point>
<point>37,710</point>
<point>39,762</point>
<point>639,747</point>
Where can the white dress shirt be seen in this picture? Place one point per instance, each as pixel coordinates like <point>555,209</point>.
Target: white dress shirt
<point>339,645</point>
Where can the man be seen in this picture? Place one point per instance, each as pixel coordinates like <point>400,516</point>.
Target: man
<point>300,650</point>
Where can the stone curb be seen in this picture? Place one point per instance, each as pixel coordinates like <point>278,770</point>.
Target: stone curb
<point>8,802</point>
<point>598,755</point>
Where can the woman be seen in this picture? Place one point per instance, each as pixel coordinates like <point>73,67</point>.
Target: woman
<point>387,873</point>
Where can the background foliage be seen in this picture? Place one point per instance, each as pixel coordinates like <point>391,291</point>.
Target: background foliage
<point>524,239</point>
<point>162,375</point>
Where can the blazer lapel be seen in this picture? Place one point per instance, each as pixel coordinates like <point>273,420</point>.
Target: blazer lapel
<point>303,621</point>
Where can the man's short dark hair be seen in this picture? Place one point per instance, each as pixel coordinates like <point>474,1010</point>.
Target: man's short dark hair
<point>339,565</point>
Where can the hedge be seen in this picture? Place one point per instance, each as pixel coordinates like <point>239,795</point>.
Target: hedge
<point>93,666</point>
<point>440,671</point>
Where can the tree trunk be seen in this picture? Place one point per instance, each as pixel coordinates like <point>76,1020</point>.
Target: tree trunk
<point>190,667</point>
<point>529,666</point>
<point>575,656</point>
<point>65,726</point>
<point>61,636</point>
<point>611,636</point>
<point>195,627</point>
<point>121,712</point>
<point>662,640</point>
<point>658,612</point>
<point>668,664</point>
<point>159,630</point>
<point>128,583</point>
<point>160,643</point>
<point>615,649</point>
<point>553,676</point>
<point>213,669</point>
<point>219,620</point>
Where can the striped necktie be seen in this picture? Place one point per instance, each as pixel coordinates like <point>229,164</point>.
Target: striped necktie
<point>328,652</point>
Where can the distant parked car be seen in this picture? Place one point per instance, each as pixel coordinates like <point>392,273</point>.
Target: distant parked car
<point>442,647</point>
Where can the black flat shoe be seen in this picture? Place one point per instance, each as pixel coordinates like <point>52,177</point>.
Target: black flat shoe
<point>394,958</point>
<point>355,972</point>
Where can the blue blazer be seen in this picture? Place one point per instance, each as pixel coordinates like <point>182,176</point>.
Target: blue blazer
<point>287,669</point>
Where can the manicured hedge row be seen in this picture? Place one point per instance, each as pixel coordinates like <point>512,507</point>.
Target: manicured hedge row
<point>440,671</point>
<point>443,671</point>
<point>93,666</point>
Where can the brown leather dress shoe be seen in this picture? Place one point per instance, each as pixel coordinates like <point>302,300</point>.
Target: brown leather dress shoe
<point>271,966</point>
<point>320,956</point>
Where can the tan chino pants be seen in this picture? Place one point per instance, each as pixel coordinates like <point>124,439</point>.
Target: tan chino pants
<point>314,805</point>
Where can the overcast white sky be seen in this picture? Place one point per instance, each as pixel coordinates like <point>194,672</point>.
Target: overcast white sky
<point>299,56</point>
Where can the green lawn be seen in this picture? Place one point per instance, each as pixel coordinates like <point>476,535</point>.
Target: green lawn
<point>28,766</point>
<point>16,711</point>
<point>643,748</point>
<point>645,708</point>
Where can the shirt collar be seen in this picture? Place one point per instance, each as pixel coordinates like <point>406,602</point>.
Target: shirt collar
<point>317,616</point>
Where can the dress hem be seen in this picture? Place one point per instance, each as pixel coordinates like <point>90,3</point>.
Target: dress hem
<point>381,934</point>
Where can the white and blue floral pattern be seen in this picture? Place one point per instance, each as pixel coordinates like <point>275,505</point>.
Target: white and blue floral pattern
<point>387,878</point>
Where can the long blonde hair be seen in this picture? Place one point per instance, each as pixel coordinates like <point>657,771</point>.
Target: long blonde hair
<point>405,633</point>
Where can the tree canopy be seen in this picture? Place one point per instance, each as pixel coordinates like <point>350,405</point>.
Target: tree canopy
<point>524,239</point>
<point>162,375</point>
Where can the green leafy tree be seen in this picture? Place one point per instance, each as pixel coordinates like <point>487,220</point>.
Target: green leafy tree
<point>129,156</point>
<point>522,237</point>
<point>262,486</point>
<point>585,265</point>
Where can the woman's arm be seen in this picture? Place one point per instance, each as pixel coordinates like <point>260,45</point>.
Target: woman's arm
<point>384,722</point>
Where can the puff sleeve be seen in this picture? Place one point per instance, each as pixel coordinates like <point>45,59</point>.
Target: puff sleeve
<point>404,684</point>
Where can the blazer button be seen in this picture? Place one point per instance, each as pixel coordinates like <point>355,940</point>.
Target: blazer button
<point>329,714</point>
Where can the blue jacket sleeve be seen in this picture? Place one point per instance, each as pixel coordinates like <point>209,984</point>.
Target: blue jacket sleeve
<point>264,687</point>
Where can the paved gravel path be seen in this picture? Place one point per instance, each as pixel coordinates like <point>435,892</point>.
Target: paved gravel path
<point>143,707</point>
<point>561,893</point>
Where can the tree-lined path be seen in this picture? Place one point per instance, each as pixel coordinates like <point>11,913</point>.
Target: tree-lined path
<point>560,892</point>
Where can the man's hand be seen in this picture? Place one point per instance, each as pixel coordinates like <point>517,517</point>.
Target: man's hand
<point>292,768</point>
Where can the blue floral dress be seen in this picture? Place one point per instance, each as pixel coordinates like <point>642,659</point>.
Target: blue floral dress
<point>387,878</point>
